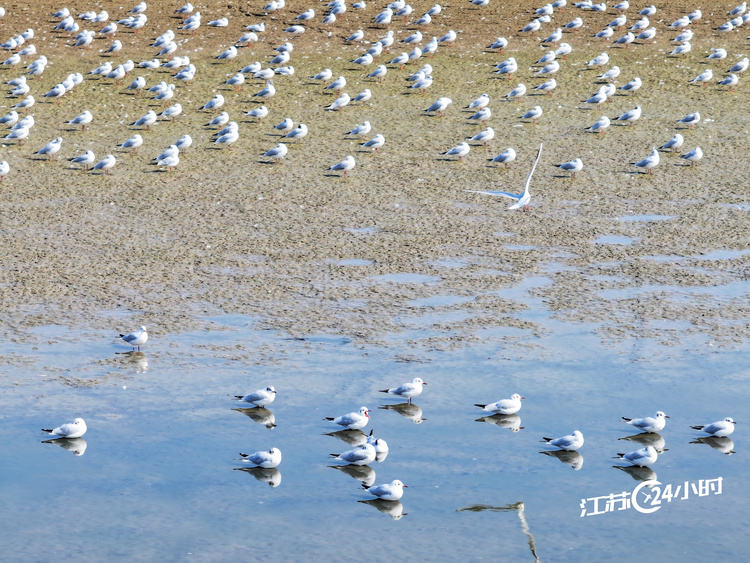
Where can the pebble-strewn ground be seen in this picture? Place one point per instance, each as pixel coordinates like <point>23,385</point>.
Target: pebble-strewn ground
<point>229,231</point>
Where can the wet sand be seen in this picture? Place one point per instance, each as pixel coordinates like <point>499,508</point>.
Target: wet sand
<point>302,249</point>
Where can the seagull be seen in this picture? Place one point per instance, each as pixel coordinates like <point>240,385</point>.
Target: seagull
<point>647,35</point>
<point>228,138</point>
<point>548,86</point>
<point>340,102</point>
<point>718,54</point>
<point>337,85</point>
<point>4,169</point>
<point>84,119</point>
<point>704,77</point>
<point>449,37</point>
<point>439,106</point>
<point>482,115</point>
<point>259,398</point>
<point>265,459</point>
<point>345,165</point>
<point>375,143</point>
<point>600,126</point>
<point>522,199</point>
<point>550,68</point>
<point>11,118</point>
<point>693,156</point>
<point>730,81</point>
<point>170,161</point>
<point>74,429</point>
<point>277,153</point>
<point>85,159</point>
<point>690,119</point>
<point>650,162</point>
<point>741,66</point>
<point>229,54</point>
<point>51,148</point>
<point>297,133</point>
<point>268,92</point>
<point>674,143</point>
<point>359,130</point>
<point>605,33</point>
<point>649,424</point>
<point>505,157</point>
<point>599,60</point>
<point>568,443</point>
<point>378,73</point>
<point>148,120</point>
<point>533,114</point>
<point>258,113</point>
<point>686,35</point>
<point>500,43</point>
<point>682,49</point>
<point>630,116</point>
<point>633,85</point>
<point>574,24</point>
<point>459,150</point>
<point>422,84</point>
<point>573,166</point>
<point>285,126</point>
<point>137,338</point>
<point>214,103</point>
<point>353,420</point>
<point>642,458</point>
<point>481,102</point>
<point>407,390</point>
<point>172,111</point>
<point>184,142</point>
<point>484,136</point>
<point>547,57</point>
<point>361,455</point>
<point>626,39</point>
<point>133,143</point>
<point>389,491</point>
<point>599,98</point>
<point>720,429</point>
<point>503,406</point>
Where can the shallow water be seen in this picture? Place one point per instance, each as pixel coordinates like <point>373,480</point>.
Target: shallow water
<point>161,477</point>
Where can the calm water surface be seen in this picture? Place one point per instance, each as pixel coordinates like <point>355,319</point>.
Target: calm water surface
<point>160,475</point>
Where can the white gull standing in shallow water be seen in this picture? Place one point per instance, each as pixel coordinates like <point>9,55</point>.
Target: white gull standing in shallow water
<point>388,491</point>
<point>569,443</point>
<point>265,459</point>
<point>721,428</point>
<point>137,338</point>
<point>352,420</point>
<point>654,423</point>
<point>74,429</point>
<point>259,398</point>
<point>522,199</point>
<point>503,406</point>
<point>407,390</point>
<point>642,458</point>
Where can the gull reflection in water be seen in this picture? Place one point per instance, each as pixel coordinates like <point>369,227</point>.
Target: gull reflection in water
<point>362,473</point>
<point>519,508</point>
<point>653,439</point>
<point>407,410</point>
<point>638,473</point>
<point>722,443</point>
<point>75,445</point>
<point>270,475</point>
<point>353,437</point>
<point>261,415</point>
<point>574,459</point>
<point>510,421</point>
<point>392,508</point>
<point>137,359</point>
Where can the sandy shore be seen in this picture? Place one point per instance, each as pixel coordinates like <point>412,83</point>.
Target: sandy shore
<point>302,249</point>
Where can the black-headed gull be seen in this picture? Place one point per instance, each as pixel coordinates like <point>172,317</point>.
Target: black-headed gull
<point>721,428</point>
<point>380,445</point>
<point>649,163</point>
<point>573,166</point>
<point>503,406</point>
<point>346,165</point>
<point>361,455</point>
<point>265,459</point>
<point>521,200</point>
<point>600,126</point>
<point>730,81</point>
<point>630,116</point>
<point>654,423</point>
<point>259,398</point>
<point>484,136</point>
<point>137,338</point>
<point>642,457</point>
<point>704,77</point>
<point>571,442</point>
<point>505,157</point>
<point>459,151</point>
<point>297,133</point>
<point>533,114</point>
<point>674,143</point>
<point>439,106</point>
<point>340,102</point>
<point>360,130</point>
<point>690,119</point>
<point>74,429</point>
<point>277,153</point>
<point>352,420</point>
<point>388,491</point>
<point>407,390</point>
<point>51,148</point>
<point>693,156</point>
<point>375,143</point>
<point>516,93</point>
